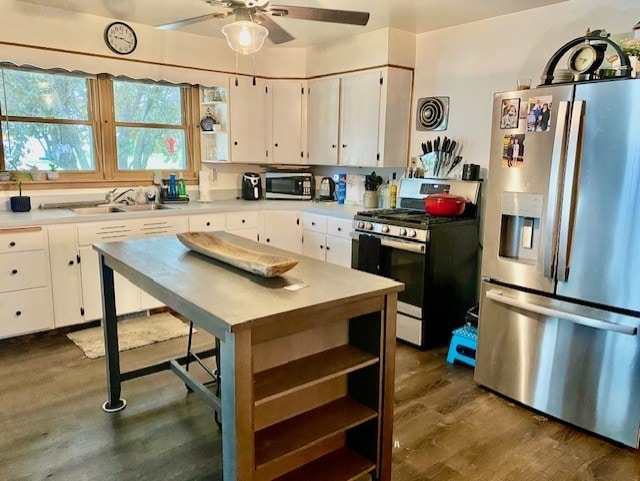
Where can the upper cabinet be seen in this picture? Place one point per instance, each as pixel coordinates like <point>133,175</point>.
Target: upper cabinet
<point>366,114</point>
<point>360,118</point>
<point>248,120</point>
<point>214,125</point>
<point>287,122</point>
<point>323,121</point>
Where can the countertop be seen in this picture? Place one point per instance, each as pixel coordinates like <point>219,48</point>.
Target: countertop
<point>218,292</point>
<point>10,219</point>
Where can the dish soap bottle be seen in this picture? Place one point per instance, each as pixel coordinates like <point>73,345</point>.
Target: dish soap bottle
<point>182,188</point>
<point>393,192</point>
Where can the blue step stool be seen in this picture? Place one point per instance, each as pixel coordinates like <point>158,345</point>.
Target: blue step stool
<point>466,336</point>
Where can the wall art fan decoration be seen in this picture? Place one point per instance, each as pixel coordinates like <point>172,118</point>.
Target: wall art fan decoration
<point>253,21</point>
<point>432,113</point>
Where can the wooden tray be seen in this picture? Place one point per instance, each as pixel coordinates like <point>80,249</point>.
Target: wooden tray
<point>266,265</point>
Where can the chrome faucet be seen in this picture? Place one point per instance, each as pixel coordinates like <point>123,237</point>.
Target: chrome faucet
<point>112,200</point>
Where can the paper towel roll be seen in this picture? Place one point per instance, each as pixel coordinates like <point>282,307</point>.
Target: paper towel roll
<point>205,186</point>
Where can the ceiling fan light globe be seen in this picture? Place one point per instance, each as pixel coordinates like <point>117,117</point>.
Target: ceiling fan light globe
<point>245,37</point>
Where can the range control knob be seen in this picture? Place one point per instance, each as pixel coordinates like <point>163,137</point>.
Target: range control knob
<point>385,229</point>
<point>412,233</point>
<point>403,231</point>
<point>360,224</point>
<point>368,226</point>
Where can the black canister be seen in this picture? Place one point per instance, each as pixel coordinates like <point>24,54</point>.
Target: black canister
<point>470,172</point>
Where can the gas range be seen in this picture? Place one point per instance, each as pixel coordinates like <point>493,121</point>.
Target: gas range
<point>410,222</point>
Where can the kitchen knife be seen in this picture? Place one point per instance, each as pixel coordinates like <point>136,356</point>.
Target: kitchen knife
<point>424,149</point>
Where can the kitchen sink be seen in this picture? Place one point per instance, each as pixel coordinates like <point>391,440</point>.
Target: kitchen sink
<point>143,207</point>
<point>109,209</point>
<point>99,209</point>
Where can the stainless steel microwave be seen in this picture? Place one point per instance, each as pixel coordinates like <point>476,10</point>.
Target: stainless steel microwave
<point>289,185</point>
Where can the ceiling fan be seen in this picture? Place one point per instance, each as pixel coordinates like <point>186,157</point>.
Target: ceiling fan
<point>254,16</point>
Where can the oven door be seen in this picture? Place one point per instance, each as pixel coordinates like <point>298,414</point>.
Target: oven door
<point>404,262</point>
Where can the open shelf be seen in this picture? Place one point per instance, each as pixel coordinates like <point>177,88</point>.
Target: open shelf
<point>340,465</point>
<point>309,428</point>
<point>214,102</point>
<point>285,379</point>
<point>212,132</point>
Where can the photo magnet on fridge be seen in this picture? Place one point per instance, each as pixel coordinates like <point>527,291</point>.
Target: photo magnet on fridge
<point>513,150</point>
<point>510,111</point>
<point>539,114</point>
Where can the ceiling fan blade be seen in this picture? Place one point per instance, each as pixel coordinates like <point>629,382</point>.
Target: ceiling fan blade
<point>320,14</point>
<point>277,34</point>
<point>189,21</point>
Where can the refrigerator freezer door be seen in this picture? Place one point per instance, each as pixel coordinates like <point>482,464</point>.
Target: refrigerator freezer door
<point>601,228</point>
<point>579,364</point>
<point>523,193</point>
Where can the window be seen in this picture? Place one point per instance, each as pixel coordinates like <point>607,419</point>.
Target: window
<point>95,127</point>
<point>150,126</point>
<point>45,121</point>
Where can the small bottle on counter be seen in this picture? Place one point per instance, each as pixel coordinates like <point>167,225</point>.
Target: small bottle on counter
<point>384,195</point>
<point>181,188</point>
<point>393,192</point>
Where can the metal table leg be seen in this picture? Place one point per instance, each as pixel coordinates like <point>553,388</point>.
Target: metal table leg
<point>110,326</point>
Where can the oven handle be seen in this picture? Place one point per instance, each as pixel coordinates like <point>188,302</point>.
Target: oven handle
<point>497,296</point>
<point>416,247</point>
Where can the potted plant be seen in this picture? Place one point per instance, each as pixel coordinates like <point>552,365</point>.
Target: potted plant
<point>35,173</point>
<point>53,173</point>
<point>20,203</point>
<point>632,48</point>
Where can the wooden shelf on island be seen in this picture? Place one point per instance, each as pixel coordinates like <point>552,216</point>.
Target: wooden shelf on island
<point>340,465</point>
<point>301,373</point>
<point>307,429</point>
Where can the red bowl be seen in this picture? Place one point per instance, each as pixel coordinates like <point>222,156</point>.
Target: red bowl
<point>445,205</point>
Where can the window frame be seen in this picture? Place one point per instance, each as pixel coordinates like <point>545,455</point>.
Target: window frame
<point>101,119</point>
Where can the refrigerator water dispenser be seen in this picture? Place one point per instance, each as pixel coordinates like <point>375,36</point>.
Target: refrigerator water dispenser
<point>520,226</point>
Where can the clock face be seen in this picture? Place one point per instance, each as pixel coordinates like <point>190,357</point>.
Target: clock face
<point>120,38</point>
<point>584,59</point>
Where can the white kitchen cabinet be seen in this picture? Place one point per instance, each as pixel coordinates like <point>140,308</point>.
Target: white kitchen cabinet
<point>360,119</point>
<point>327,239</point>
<point>323,121</point>
<point>207,222</point>
<point>283,229</point>
<point>66,282</point>
<point>287,122</point>
<point>248,120</point>
<point>26,304</point>
<point>129,298</point>
<point>245,224</point>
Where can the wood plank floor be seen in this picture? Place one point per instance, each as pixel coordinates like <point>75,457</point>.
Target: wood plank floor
<point>446,427</point>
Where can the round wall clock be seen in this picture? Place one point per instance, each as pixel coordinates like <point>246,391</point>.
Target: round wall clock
<point>120,38</point>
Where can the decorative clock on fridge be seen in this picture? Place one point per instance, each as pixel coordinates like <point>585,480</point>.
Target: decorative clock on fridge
<point>586,54</point>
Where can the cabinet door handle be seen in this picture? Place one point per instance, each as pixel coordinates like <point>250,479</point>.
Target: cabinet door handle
<point>328,248</point>
<point>78,258</point>
<point>14,272</point>
<point>71,262</point>
<point>321,246</point>
<point>339,229</point>
<point>344,146</point>
<point>313,223</point>
<point>208,224</point>
<point>268,240</point>
<point>235,143</point>
<point>276,144</point>
<point>12,244</point>
<point>18,313</point>
<point>243,221</point>
<point>333,146</point>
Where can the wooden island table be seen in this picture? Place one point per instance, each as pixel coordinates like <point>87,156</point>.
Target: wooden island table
<point>307,374</point>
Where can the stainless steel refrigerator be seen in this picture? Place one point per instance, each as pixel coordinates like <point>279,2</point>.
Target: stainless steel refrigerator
<point>560,301</point>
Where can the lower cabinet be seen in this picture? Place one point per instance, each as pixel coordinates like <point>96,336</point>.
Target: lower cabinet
<point>327,239</point>
<point>26,303</point>
<point>245,224</point>
<point>66,282</point>
<point>129,298</point>
<point>283,229</point>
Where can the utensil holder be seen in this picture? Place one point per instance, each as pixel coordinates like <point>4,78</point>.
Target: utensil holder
<point>370,199</point>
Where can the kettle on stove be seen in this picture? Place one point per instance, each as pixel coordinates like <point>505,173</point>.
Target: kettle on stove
<point>327,189</point>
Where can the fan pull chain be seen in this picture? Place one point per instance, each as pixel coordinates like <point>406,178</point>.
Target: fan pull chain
<point>254,69</point>
<point>237,68</point>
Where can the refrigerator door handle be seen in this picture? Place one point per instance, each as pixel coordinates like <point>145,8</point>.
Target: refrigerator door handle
<point>496,295</point>
<point>557,160</point>
<point>568,192</point>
